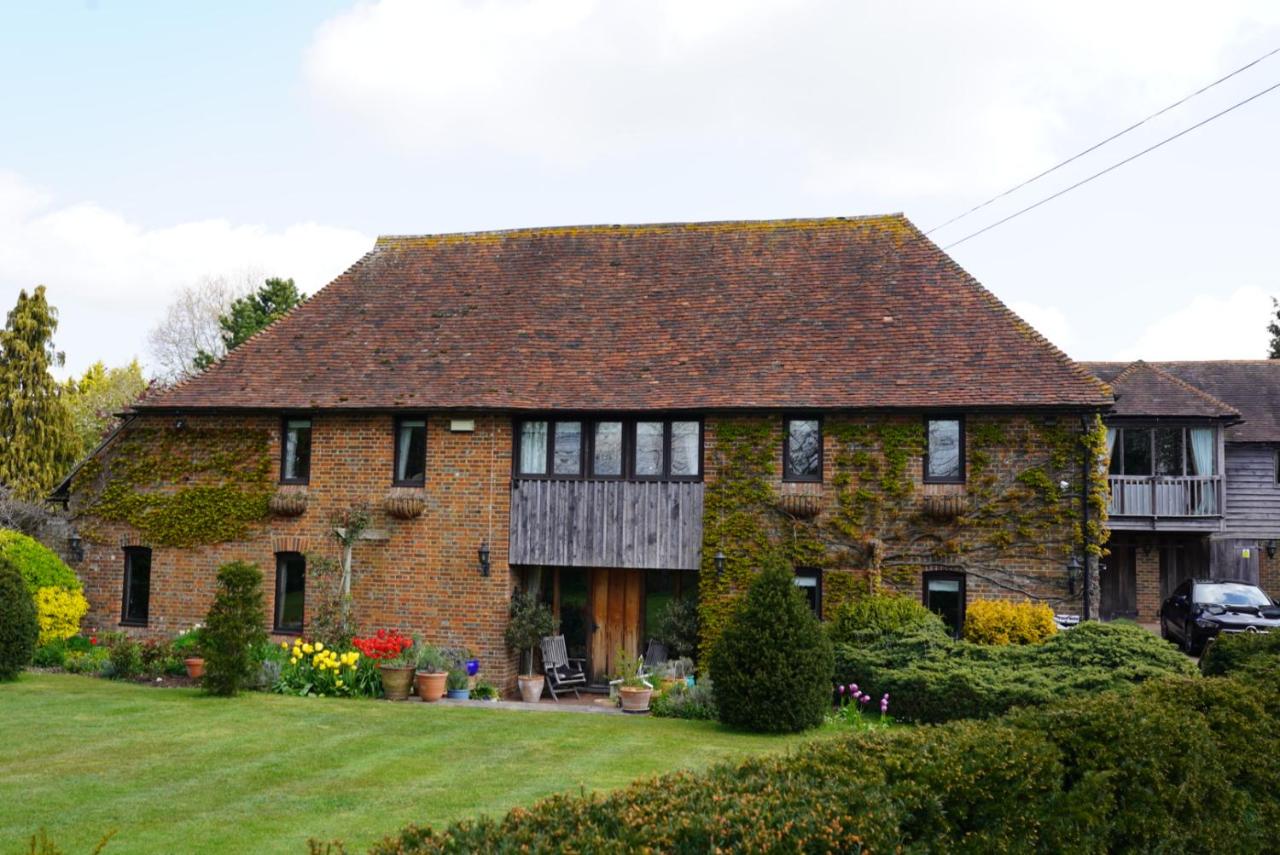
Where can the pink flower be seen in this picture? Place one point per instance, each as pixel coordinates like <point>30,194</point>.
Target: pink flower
<point>841,688</point>
<point>853,688</point>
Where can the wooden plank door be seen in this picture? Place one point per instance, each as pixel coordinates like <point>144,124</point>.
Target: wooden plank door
<point>1119,583</point>
<point>617,599</point>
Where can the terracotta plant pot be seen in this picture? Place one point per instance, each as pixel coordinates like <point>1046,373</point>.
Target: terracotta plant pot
<point>635,699</point>
<point>195,667</point>
<point>396,681</point>
<point>530,687</point>
<point>430,684</point>
<point>668,683</point>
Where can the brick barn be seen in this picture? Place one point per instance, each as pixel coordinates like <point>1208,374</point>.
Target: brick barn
<point>614,416</point>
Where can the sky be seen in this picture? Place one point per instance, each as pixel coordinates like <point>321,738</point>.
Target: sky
<point>145,146</point>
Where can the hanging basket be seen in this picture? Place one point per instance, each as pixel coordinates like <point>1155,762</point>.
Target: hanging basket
<point>404,506</point>
<point>943,507</point>
<point>800,505</point>
<point>288,504</point>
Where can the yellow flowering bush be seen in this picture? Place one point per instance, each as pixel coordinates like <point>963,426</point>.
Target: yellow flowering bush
<point>1003,622</point>
<point>311,668</point>
<point>59,612</point>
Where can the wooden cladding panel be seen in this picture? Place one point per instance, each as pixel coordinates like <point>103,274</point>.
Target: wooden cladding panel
<point>639,524</point>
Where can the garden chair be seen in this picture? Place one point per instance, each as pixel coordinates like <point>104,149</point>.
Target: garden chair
<point>655,654</point>
<point>562,672</point>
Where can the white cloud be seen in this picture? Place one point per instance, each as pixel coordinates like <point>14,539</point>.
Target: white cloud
<point>907,100</point>
<point>111,278</point>
<point>1209,327</point>
<point>1050,321</point>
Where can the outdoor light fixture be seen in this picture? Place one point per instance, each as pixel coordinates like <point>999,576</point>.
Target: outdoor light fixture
<point>1271,549</point>
<point>484,558</point>
<point>75,546</point>
<point>719,563</point>
<point>1073,573</point>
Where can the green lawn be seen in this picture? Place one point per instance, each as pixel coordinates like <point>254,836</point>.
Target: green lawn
<point>174,771</point>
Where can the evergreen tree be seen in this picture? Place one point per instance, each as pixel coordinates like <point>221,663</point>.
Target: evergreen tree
<point>256,311</point>
<point>1274,329</point>
<point>96,397</point>
<point>37,438</point>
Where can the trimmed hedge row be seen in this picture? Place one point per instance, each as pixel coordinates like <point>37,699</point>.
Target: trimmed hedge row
<point>932,679</point>
<point>1178,764</point>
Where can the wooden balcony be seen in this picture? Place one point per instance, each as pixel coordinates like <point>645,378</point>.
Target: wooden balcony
<point>637,524</point>
<point>1182,497</point>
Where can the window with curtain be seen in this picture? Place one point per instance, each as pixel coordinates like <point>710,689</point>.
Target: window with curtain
<point>1163,451</point>
<point>609,448</point>
<point>411,451</point>
<point>802,456</point>
<point>944,457</point>
<point>295,451</point>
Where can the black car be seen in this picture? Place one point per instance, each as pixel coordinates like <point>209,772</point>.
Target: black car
<point>1199,610</point>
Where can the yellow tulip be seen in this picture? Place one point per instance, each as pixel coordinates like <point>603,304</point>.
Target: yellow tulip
<point>319,645</point>
<point>284,645</point>
<point>293,660</point>
<point>307,648</point>
<point>338,684</point>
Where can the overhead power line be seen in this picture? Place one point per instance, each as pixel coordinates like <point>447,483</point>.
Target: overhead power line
<point>1115,166</point>
<point>1099,145</point>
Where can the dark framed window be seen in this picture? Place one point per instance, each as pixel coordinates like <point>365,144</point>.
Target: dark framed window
<point>609,448</point>
<point>411,451</point>
<point>802,449</point>
<point>944,595</point>
<point>1146,451</point>
<point>295,450</point>
<point>944,453</point>
<point>809,580</point>
<point>136,601</point>
<point>291,591</point>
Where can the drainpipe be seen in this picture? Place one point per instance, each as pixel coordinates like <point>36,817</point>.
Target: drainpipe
<point>1085,465</point>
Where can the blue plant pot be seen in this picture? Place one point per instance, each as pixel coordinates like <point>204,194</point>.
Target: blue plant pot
<point>473,667</point>
<point>459,694</point>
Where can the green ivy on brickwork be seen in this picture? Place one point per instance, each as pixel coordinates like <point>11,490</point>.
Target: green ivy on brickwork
<point>1013,507</point>
<point>178,487</point>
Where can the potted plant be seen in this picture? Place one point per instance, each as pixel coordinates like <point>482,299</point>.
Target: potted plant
<point>484,691</point>
<point>395,656</point>
<point>529,622</point>
<point>187,646</point>
<point>459,685</point>
<point>431,674</point>
<point>633,689</point>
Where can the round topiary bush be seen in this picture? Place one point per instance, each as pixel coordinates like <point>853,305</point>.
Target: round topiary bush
<point>18,626</point>
<point>233,632</point>
<point>772,664</point>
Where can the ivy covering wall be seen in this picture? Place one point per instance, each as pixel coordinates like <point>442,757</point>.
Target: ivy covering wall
<point>1011,514</point>
<point>177,487</point>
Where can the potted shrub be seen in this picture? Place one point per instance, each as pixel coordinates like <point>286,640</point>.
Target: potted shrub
<point>187,647</point>
<point>458,685</point>
<point>530,621</point>
<point>396,658</point>
<point>431,674</point>
<point>633,689</point>
<point>484,691</point>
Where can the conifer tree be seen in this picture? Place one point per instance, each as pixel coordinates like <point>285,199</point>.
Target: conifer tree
<point>37,439</point>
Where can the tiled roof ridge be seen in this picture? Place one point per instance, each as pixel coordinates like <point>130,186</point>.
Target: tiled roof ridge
<point>222,360</point>
<point>1178,381</point>
<point>999,305</point>
<point>644,228</point>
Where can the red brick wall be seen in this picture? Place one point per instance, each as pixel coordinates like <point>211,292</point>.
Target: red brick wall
<point>423,577</point>
<point>1013,576</point>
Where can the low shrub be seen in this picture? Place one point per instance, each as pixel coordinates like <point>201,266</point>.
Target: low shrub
<point>233,633</point>
<point>39,565</point>
<point>681,701</point>
<point>1164,767</point>
<point>59,612</point>
<point>94,662</point>
<point>869,619</point>
<point>772,662</point>
<point>1004,622</point>
<point>1242,653</point>
<point>18,626</point>
<point>933,679</point>
<point>125,656</point>
<point>51,654</point>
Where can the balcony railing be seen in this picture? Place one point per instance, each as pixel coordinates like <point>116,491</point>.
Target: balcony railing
<point>1165,496</point>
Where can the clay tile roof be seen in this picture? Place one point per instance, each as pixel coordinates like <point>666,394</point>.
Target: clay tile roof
<point>825,313</point>
<point>1144,389</point>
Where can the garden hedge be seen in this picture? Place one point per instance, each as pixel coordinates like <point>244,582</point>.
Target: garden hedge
<point>1246,652</point>
<point>878,616</point>
<point>18,626</point>
<point>1173,765</point>
<point>931,679</point>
